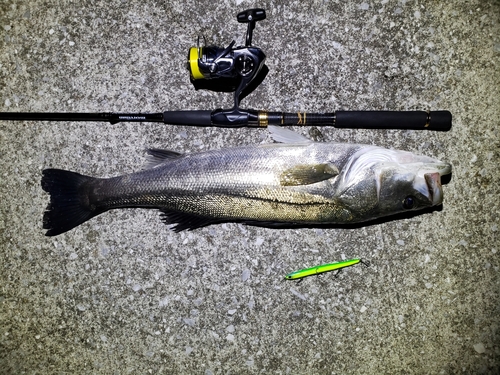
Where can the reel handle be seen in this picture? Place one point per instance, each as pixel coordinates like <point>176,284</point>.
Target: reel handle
<point>251,16</point>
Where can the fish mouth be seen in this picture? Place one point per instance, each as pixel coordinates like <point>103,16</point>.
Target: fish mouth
<point>432,176</point>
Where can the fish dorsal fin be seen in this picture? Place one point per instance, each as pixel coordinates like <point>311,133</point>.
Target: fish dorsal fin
<point>283,135</point>
<point>158,156</point>
<point>306,174</point>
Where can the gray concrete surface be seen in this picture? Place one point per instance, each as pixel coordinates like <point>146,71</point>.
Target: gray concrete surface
<point>124,294</point>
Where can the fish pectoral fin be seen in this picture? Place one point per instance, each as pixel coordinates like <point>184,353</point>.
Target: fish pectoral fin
<point>306,174</point>
<point>183,221</point>
<point>158,156</point>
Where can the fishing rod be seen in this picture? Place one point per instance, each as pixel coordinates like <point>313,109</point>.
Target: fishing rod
<point>241,69</point>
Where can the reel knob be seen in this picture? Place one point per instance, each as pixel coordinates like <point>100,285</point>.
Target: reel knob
<point>251,15</point>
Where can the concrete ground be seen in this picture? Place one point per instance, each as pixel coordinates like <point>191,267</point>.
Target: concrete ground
<point>124,294</point>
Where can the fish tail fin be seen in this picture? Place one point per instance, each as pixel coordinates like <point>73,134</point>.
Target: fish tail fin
<point>68,207</point>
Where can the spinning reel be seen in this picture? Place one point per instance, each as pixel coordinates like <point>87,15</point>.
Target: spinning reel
<point>231,68</point>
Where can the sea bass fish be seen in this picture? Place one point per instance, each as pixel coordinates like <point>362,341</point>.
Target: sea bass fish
<point>295,182</point>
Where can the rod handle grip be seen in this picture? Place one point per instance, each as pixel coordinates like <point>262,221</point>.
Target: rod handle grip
<point>419,120</point>
<point>190,118</point>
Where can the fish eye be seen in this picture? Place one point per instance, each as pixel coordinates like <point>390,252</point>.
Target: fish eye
<point>409,202</point>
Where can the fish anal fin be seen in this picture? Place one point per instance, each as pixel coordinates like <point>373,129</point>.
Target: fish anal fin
<point>306,174</point>
<point>183,221</point>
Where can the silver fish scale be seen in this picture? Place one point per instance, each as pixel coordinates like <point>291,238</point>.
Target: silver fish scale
<point>230,183</point>
<point>230,171</point>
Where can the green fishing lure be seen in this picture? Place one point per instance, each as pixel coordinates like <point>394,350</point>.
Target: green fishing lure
<point>300,274</point>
